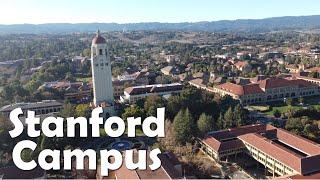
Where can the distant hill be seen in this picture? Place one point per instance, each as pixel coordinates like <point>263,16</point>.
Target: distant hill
<point>242,25</point>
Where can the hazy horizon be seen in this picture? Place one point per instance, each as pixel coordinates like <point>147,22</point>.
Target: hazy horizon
<point>142,11</point>
<point>156,21</point>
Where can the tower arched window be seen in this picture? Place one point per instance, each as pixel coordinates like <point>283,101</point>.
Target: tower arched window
<point>100,51</point>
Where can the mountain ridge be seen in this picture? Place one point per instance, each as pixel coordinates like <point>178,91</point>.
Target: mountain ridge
<point>239,25</point>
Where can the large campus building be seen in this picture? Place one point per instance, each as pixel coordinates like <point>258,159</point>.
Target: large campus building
<point>42,109</point>
<point>281,152</point>
<point>268,90</point>
<point>133,94</point>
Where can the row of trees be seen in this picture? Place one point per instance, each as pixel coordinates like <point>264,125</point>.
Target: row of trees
<point>193,112</point>
<point>304,122</point>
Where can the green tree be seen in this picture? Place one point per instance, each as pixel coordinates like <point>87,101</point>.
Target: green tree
<point>86,52</point>
<point>70,77</point>
<point>152,103</point>
<point>205,123</point>
<point>313,74</point>
<point>240,115</point>
<point>220,122</point>
<point>82,110</point>
<point>183,126</point>
<point>311,131</point>
<point>229,120</point>
<point>132,111</point>
<point>294,125</point>
<point>275,123</point>
<point>173,106</point>
<point>191,98</point>
<point>289,101</point>
<point>68,110</point>
<point>226,102</point>
<point>277,113</point>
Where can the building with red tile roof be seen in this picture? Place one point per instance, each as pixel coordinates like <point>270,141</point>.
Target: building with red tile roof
<point>243,66</point>
<point>268,89</point>
<point>281,152</point>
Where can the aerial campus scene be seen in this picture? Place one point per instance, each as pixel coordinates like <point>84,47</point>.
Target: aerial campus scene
<point>163,89</point>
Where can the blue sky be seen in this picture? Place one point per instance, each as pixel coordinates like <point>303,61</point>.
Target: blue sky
<point>125,11</point>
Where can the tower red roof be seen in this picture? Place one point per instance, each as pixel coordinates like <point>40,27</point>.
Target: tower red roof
<point>98,39</point>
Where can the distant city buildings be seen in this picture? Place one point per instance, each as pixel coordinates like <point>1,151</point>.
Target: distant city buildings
<point>279,151</point>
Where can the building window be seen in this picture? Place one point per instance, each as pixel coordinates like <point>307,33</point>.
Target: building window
<point>97,65</point>
<point>107,64</point>
<point>100,51</point>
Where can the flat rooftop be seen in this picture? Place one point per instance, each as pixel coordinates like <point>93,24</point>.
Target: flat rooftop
<point>31,105</point>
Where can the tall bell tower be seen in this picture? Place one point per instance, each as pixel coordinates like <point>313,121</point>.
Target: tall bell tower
<point>101,74</point>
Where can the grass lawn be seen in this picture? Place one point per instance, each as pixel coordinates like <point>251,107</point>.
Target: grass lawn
<point>259,108</point>
<point>282,109</point>
<point>308,102</point>
<point>84,79</point>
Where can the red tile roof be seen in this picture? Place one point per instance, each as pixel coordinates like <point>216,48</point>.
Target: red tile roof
<point>241,64</point>
<point>98,39</point>
<point>215,139</point>
<point>234,132</point>
<point>274,83</point>
<point>241,89</point>
<point>261,86</point>
<point>267,146</point>
<point>296,152</point>
<point>305,145</point>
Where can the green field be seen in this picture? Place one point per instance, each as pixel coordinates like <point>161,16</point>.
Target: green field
<point>282,108</point>
<point>84,79</point>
